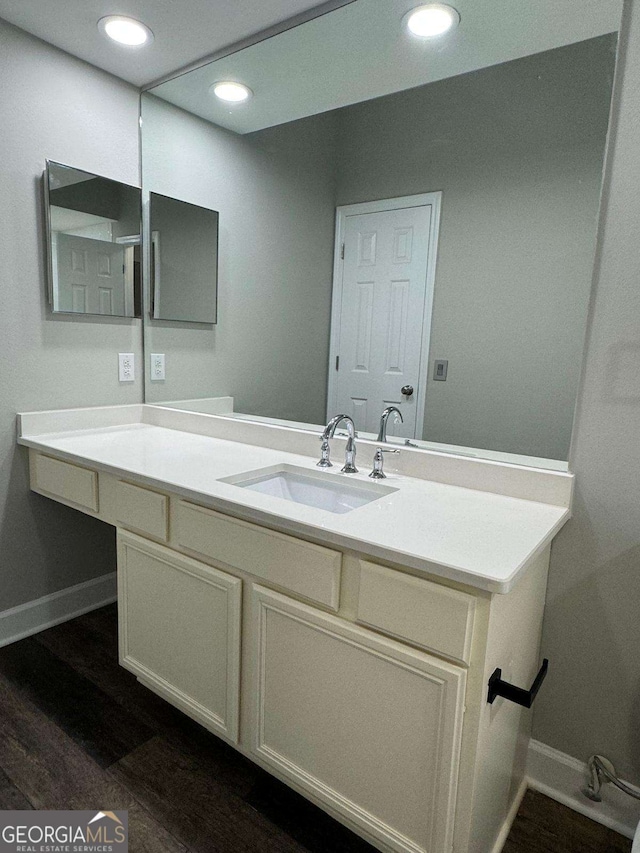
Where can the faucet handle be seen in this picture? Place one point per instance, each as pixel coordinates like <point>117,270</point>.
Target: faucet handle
<point>378,462</point>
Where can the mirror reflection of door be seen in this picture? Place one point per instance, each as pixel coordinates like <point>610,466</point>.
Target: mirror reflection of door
<point>90,275</point>
<point>383,293</point>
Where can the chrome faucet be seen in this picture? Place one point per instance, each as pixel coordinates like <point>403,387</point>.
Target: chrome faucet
<point>390,410</point>
<point>350,454</point>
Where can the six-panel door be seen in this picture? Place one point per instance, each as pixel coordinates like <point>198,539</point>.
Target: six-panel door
<point>179,630</point>
<point>362,724</point>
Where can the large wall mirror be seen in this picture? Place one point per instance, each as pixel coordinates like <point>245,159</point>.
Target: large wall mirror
<point>93,242</point>
<point>402,221</point>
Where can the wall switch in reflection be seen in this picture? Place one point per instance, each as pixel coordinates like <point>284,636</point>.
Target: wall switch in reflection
<point>440,367</point>
<point>126,367</point>
<point>157,366</point>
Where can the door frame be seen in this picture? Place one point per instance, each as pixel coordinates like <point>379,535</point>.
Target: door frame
<point>129,241</point>
<point>434,200</point>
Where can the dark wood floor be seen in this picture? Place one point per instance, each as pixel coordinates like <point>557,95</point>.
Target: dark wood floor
<point>77,731</point>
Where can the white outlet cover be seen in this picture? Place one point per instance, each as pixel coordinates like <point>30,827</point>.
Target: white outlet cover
<point>156,360</point>
<point>126,367</point>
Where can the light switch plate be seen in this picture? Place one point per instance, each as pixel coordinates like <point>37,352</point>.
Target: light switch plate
<point>126,367</point>
<point>440,368</point>
<point>157,366</point>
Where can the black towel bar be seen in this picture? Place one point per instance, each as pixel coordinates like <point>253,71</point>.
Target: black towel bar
<point>498,687</point>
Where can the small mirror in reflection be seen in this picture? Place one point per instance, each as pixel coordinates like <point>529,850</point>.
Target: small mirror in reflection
<point>184,260</point>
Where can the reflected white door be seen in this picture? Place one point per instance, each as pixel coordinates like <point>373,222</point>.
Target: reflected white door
<point>90,275</point>
<point>382,311</point>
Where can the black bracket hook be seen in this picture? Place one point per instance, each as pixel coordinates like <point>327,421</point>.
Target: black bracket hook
<point>498,687</point>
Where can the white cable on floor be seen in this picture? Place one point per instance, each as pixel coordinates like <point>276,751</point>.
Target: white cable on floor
<point>602,770</point>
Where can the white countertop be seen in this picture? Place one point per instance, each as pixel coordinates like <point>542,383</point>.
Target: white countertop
<point>478,538</point>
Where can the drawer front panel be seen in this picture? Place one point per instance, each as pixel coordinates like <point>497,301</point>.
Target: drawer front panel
<point>433,617</point>
<point>301,567</point>
<point>66,481</point>
<point>143,510</point>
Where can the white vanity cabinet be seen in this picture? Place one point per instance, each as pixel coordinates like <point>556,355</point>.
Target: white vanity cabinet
<point>360,683</point>
<point>367,726</point>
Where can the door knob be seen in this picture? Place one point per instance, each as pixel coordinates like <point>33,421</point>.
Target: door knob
<point>407,390</point>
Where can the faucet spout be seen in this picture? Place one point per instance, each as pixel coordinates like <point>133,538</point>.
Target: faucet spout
<point>334,423</point>
<point>350,454</point>
<point>390,410</point>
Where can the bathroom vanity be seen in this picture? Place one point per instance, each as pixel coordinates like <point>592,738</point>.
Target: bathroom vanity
<point>349,652</point>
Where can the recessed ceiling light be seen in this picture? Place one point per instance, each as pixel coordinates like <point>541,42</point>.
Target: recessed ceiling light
<point>232,93</point>
<point>125,31</point>
<point>433,19</point>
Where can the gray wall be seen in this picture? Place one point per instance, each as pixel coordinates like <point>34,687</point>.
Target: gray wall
<point>274,192</point>
<point>517,150</point>
<point>591,701</point>
<point>54,107</point>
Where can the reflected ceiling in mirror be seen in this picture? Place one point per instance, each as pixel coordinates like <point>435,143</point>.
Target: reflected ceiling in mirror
<point>364,50</point>
<point>411,224</point>
<point>93,241</point>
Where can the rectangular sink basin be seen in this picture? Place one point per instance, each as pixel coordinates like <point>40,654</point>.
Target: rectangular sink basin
<point>320,490</point>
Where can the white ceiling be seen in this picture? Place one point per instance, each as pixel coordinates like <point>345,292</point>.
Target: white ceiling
<point>363,51</point>
<point>184,30</point>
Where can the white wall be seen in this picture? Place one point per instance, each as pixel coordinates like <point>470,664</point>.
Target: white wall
<point>55,107</point>
<point>591,700</point>
<point>517,150</point>
<point>275,195</point>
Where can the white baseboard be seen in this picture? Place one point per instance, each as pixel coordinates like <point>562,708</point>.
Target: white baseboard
<point>35,616</point>
<point>562,778</point>
<point>511,816</point>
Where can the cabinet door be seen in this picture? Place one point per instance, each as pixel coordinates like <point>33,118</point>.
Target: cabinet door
<point>179,630</point>
<point>362,724</point>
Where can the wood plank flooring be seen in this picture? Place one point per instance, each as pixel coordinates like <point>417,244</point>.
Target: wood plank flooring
<point>77,731</point>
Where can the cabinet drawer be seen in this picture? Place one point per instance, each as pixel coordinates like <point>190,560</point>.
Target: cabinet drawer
<point>68,482</point>
<point>143,510</point>
<point>308,570</point>
<point>427,614</point>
